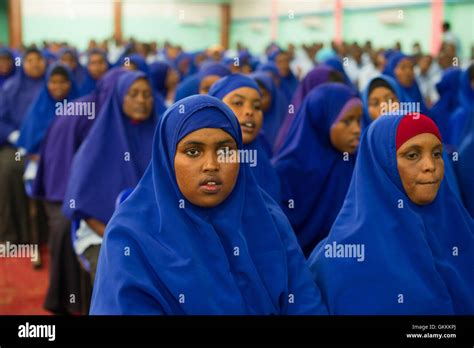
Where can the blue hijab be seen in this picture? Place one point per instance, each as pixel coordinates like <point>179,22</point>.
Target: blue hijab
<point>135,59</point>
<point>410,265</point>
<point>314,175</point>
<point>90,83</point>
<point>274,116</point>
<point>112,158</point>
<point>158,73</point>
<point>79,73</point>
<point>465,166</point>
<point>412,93</point>
<point>289,83</point>
<point>462,116</point>
<point>6,53</point>
<point>264,172</point>
<point>336,64</point>
<point>63,139</point>
<point>389,82</point>
<point>43,111</point>
<point>16,96</point>
<point>182,260</point>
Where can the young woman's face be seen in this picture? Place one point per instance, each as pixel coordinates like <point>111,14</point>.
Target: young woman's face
<point>381,100</point>
<point>345,134</point>
<point>204,179</point>
<point>172,79</point>
<point>282,61</point>
<point>97,66</point>
<point>421,167</point>
<point>6,65</point>
<point>34,65</point>
<point>206,83</point>
<point>69,60</point>
<point>404,72</point>
<point>246,104</point>
<point>59,86</point>
<point>138,102</point>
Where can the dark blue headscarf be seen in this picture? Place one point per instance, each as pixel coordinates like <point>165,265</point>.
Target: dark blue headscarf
<point>112,158</point>
<point>412,93</point>
<point>289,83</point>
<point>5,52</point>
<point>336,64</point>
<point>79,73</point>
<point>264,172</point>
<point>314,175</point>
<point>417,259</point>
<point>274,116</point>
<point>63,139</point>
<point>89,83</point>
<point>182,260</point>
<point>135,59</point>
<point>158,73</point>
<point>42,112</point>
<point>448,90</point>
<point>462,116</point>
<point>16,97</point>
<point>465,166</point>
<point>390,83</point>
<point>212,68</point>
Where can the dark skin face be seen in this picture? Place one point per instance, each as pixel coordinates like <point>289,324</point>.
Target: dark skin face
<point>207,82</point>
<point>97,66</point>
<point>421,167</point>
<point>345,134</point>
<point>246,104</point>
<point>379,99</point>
<point>34,65</point>
<point>202,178</point>
<point>282,61</point>
<point>138,102</point>
<point>69,60</point>
<point>404,72</point>
<point>6,65</point>
<point>59,86</point>
<point>172,79</point>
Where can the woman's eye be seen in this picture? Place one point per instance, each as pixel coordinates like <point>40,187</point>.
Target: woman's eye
<point>223,150</point>
<point>412,155</point>
<point>192,152</point>
<point>238,103</point>
<point>438,154</point>
<point>257,107</point>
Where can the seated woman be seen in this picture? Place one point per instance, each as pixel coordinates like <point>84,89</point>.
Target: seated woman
<point>111,159</point>
<point>198,236</point>
<point>97,66</point>
<point>381,96</point>
<point>243,96</point>
<point>7,65</point>
<point>402,242</point>
<point>316,161</point>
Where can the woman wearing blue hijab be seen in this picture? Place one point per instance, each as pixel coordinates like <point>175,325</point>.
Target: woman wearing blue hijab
<point>69,57</point>
<point>97,66</point>
<point>463,114</point>
<point>316,161</point>
<point>274,106</point>
<point>381,96</point>
<point>7,65</point>
<point>400,67</point>
<point>465,166</point>
<point>289,81</point>
<point>16,95</point>
<point>202,237</point>
<point>402,242</point>
<point>164,79</point>
<point>59,88</point>
<point>243,96</point>
<point>112,158</point>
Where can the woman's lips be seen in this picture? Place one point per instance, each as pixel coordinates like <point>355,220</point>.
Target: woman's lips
<point>210,186</point>
<point>247,127</point>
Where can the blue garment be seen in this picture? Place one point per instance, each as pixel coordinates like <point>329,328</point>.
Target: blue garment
<point>42,112</point>
<point>289,83</point>
<point>314,175</point>
<point>366,119</point>
<point>409,265</point>
<point>79,73</point>
<point>336,64</point>
<point>448,90</point>
<point>465,111</point>
<point>112,158</point>
<point>264,172</point>
<point>135,59</point>
<point>465,166</point>
<point>187,87</point>
<point>158,73</point>
<point>274,116</point>
<point>90,83</point>
<point>7,53</point>
<point>182,260</point>
<point>16,96</point>
<point>412,93</point>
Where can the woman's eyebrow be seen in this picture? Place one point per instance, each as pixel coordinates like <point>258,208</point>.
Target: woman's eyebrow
<point>193,142</point>
<point>225,141</point>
